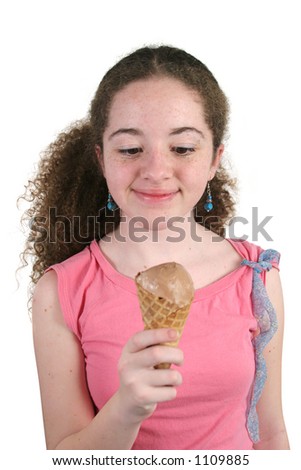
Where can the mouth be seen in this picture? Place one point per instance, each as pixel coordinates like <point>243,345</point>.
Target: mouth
<point>155,196</point>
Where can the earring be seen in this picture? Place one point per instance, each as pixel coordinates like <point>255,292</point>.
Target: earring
<point>208,206</point>
<point>111,204</point>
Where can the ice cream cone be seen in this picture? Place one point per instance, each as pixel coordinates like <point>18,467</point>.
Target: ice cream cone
<point>165,294</point>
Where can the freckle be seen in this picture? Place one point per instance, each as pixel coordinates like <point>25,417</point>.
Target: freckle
<point>70,370</point>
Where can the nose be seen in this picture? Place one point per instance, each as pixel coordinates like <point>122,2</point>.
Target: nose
<point>156,166</point>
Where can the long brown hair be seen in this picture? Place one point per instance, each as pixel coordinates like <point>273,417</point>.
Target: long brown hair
<point>69,192</point>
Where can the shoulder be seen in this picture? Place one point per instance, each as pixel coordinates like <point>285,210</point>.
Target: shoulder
<point>49,318</point>
<point>76,263</point>
<point>45,296</point>
<point>246,249</point>
<point>255,253</point>
<point>47,315</point>
<point>45,289</point>
<point>75,274</point>
<point>64,286</point>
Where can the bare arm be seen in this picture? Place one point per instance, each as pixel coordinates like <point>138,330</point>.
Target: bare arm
<point>272,428</point>
<point>69,418</point>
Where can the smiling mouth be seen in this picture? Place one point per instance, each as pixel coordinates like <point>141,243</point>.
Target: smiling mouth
<point>155,196</point>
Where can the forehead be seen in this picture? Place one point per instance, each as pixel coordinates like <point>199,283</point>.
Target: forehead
<point>158,95</point>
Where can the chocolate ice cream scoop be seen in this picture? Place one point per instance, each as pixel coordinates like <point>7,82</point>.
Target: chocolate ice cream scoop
<point>168,280</point>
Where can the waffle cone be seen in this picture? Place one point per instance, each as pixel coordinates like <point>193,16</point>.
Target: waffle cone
<point>158,312</point>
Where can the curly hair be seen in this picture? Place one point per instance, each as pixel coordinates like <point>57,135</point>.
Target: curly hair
<point>69,192</point>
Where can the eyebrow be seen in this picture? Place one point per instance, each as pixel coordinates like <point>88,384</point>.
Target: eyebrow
<point>176,131</point>
<point>130,131</point>
<point>180,130</point>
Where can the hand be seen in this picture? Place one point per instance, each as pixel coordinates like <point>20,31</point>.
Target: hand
<point>142,386</point>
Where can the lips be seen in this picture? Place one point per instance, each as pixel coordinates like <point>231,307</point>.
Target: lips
<point>155,195</point>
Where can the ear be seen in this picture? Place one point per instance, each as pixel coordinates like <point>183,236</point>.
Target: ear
<point>216,161</point>
<point>100,158</point>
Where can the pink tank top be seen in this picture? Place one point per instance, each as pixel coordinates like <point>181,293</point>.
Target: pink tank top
<point>213,404</point>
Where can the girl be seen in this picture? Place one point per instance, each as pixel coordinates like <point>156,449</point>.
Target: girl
<point>138,183</point>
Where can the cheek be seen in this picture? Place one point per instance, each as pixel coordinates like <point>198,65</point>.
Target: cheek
<point>195,171</point>
<point>108,166</point>
<point>118,174</point>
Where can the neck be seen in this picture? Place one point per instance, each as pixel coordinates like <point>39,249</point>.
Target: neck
<point>175,238</point>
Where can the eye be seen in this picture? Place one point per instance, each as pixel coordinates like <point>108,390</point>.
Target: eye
<point>130,151</point>
<point>183,150</point>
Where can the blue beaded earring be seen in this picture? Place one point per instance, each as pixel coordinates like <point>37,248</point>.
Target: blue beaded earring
<point>208,206</point>
<point>111,204</point>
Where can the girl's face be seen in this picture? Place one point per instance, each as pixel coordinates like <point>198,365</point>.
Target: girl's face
<point>157,150</point>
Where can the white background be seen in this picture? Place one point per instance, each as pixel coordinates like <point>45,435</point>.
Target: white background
<point>53,55</point>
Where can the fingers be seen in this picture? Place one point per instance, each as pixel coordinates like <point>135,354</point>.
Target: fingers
<point>144,339</point>
<point>147,349</point>
<point>159,354</point>
<point>154,386</point>
<point>157,395</point>
<point>165,377</point>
